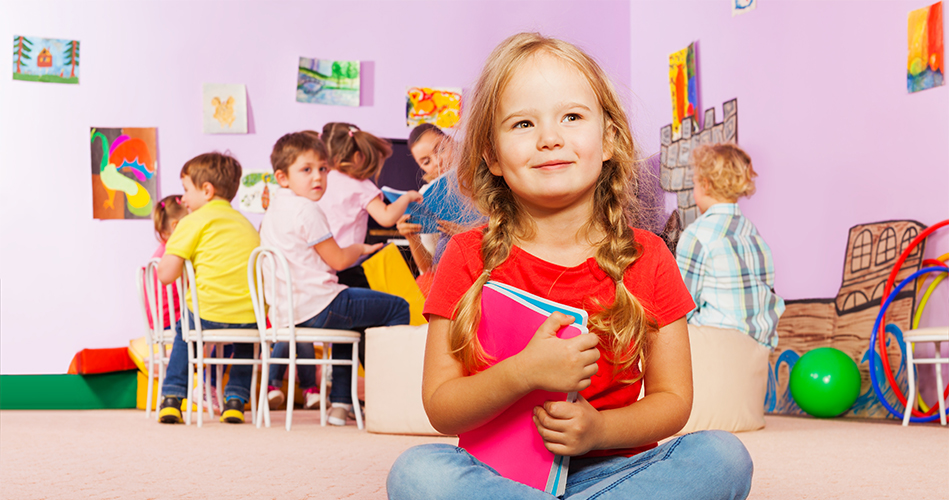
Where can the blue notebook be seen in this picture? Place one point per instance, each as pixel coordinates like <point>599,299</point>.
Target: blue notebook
<point>441,202</point>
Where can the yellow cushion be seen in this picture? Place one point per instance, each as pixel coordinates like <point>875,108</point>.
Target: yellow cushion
<point>386,271</point>
<point>729,379</point>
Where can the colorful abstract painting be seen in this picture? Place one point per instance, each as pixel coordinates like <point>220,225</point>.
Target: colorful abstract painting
<point>742,6</point>
<point>324,81</point>
<point>683,82</point>
<point>254,192</point>
<point>225,108</point>
<point>124,172</point>
<point>925,63</point>
<point>440,107</point>
<point>50,60</point>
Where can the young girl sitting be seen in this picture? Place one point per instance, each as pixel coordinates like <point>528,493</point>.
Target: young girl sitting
<point>549,157</point>
<point>166,215</point>
<point>351,197</point>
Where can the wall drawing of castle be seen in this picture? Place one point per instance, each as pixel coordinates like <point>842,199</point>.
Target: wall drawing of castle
<point>675,152</point>
<point>845,321</point>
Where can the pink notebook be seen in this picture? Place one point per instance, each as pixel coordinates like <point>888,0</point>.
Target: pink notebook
<point>510,442</point>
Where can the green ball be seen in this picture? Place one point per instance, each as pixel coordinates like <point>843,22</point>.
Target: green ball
<point>825,382</point>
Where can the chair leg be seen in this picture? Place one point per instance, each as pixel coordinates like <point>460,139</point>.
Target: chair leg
<point>262,403</point>
<point>939,386</point>
<point>161,377</point>
<point>291,382</point>
<point>355,383</point>
<point>323,371</point>
<point>253,383</point>
<point>911,386</point>
<point>191,367</point>
<point>149,392</point>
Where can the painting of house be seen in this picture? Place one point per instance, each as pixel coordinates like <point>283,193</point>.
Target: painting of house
<point>845,321</point>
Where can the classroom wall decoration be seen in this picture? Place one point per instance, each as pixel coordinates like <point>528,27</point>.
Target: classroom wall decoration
<point>254,192</point>
<point>683,83</point>
<point>438,106</point>
<point>742,6</point>
<point>124,172</point>
<point>925,64</point>
<point>846,321</point>
<point>324,81</point>
<point>50,60</point>
<point>225,108</point>
<point>674,153</point>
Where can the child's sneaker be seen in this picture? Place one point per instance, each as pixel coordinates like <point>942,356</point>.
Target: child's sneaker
<point>170,410</point>
<point>275,397</point>
<point>311,398</point>
<point>233,411</point>
<point>338,413</point>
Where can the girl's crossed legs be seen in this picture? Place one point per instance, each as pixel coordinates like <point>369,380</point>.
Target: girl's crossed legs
<point>707,464</point>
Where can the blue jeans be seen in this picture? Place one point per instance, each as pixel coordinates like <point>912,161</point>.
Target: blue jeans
<point>176,379</point>
<point>707,464</point>
<point>356,309</point>
<point>307,373</point>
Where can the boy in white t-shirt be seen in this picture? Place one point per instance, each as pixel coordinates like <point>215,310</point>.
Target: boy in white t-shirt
<point>296,225</point>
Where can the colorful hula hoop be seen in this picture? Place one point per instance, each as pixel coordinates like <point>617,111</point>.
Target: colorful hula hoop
<point>878,327</point>
<point>893,329</point>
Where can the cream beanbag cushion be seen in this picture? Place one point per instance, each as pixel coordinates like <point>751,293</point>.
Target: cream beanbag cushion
<point>729,379</point>
<point>394,358</point>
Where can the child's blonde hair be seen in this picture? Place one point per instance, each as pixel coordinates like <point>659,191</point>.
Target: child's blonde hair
<point>344,140</point>
<point>166,211</point>
<point>622,325</point>
<point>727,170</point>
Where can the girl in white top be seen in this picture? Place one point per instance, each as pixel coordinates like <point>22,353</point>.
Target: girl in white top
<point>356,158</point>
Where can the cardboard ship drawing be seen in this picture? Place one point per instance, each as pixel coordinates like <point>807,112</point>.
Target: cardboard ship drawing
<point>845,321</point>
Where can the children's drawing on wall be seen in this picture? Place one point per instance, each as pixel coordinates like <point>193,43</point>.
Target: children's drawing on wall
<point>50,60</point>
<point>124,172</point>
<point>676,171</point>
<point>683,83</point>
<point>324,81</point>
<point>742,6</point>
<point>254,191</point>
<point>438,106</point>
<point>845,322</point>
<point>225,108</point>
<point>925,65</point>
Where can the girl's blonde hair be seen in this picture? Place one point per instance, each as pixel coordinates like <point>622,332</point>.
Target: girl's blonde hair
<point>622,326</point>
<point>727,170</point>
<point>166,211</point>
<point>344,140</point>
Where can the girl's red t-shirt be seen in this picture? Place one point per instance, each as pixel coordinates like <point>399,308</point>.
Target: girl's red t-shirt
<point>653,279</point>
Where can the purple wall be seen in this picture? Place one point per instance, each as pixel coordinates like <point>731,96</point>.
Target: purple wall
<point>67,280</point>
<point>824,113</point>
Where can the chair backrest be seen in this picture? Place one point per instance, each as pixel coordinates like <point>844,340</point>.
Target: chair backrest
<point>262,268</point>
<point>186,284</point>
<point>153,300</point>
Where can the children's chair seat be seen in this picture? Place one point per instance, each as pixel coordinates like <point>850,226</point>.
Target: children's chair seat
<point>199,339</point>
<point>262,269</point>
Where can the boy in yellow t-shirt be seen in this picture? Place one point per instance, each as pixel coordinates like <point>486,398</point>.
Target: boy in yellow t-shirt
<point>217,240</point>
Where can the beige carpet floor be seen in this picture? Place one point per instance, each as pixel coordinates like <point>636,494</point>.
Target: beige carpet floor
<point>119,454</point>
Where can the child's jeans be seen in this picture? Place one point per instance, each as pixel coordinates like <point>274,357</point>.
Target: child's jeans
<point>307,373</point>
<point>707,464</point>
<point>176,380</point>
<point>356,309</point>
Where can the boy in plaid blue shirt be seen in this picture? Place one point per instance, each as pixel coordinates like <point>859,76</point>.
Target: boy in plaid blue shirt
<point>725,263</point>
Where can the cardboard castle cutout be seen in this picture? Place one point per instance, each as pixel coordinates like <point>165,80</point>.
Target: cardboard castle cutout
<point>845,321</point>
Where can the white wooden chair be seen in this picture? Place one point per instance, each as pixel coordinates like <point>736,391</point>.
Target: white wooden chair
<point>156,336</point>
<point>937,335</point>
<point>198,339</point>
<point>264,263</point>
